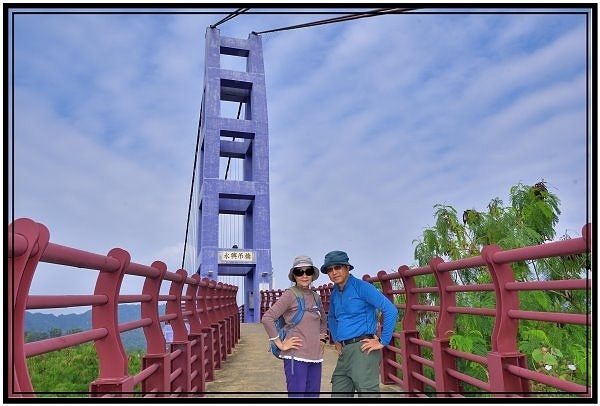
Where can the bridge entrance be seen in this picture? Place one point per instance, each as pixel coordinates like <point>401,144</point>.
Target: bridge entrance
<point>231,202</point>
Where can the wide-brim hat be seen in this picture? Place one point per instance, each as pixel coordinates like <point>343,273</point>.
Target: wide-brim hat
<point>336,258</point>
<point>303,261</point>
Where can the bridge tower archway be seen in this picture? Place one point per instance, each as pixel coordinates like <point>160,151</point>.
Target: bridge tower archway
<point>223,197</point>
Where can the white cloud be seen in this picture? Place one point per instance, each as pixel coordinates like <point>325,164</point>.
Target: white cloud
<point>371,123</point>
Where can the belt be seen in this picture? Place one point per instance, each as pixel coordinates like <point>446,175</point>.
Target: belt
<point>356,339</point>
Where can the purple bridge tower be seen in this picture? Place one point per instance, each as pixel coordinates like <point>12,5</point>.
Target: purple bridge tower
<point>224,197</point>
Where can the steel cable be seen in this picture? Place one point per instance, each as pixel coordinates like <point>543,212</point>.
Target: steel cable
<point>354,16</point>
<point>230,16</point>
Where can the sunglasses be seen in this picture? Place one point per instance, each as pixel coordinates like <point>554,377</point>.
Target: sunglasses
<point>303,271</point>
<point>334,268</point>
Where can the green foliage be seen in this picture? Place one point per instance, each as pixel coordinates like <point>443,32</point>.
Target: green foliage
<point>529,220</point>
<point>31,336</point>
<point>557,350</point>
<point>560,350</point>
<point>67,370</point>
<point>466,343</point>
<point>54,332</point>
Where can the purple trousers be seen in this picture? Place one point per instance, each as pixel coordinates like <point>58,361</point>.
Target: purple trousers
<point>303,378</point>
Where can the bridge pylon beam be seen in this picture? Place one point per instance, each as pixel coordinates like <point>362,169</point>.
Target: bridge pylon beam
<point>242,196</point>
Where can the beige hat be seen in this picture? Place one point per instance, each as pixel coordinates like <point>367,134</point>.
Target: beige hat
<point>303,261</point>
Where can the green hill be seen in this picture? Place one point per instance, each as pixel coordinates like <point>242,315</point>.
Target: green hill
<point>40,325</point>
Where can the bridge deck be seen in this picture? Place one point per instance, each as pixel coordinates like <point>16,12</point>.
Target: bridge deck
<point>251,371</point>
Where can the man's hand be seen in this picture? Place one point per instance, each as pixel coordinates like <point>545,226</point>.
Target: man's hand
<point>370,344</point>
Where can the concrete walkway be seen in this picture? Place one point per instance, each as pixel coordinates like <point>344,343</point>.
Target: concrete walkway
<point>250,371</point>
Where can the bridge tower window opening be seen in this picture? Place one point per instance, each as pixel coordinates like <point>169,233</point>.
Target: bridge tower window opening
<point>231,231</point>
<point>234,59</point>
<point>235,99</point>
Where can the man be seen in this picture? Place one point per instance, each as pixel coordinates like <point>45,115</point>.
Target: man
<point>352,321</point>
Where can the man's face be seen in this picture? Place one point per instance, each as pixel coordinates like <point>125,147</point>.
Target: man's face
<point>338,274</point>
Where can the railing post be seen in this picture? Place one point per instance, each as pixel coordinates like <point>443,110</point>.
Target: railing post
<point>196,336</point>
<point>197,363</point>
<point>221,323</point>
<point>386,354</point>
<point>224,317</point>
<point>159,381</point>
<point>264,298</point>
<point>113,373</point>
<point>325,293</point>
<point>207,296</point>
<point>155,341</point>
<point>327,296</point>
<point>180,336</point>
<point>231,314</point>
<point>117,387</point>
<point>410,366</point>
<point>442,361</point>
<point>409,331</point>
<point>181,364</point>
<point>207,331</point>
<point>27,241</point>
<point>501,380</point>
<point>209,353</point>
<point>504,335</point>
<point>236,313</point>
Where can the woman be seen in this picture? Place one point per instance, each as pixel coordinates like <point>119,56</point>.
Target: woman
<point>302,349</point>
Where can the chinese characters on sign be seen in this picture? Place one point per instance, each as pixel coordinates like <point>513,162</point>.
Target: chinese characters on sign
<point>237,256</point>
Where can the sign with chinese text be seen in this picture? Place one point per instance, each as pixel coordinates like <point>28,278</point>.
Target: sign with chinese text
<point>237,256</point>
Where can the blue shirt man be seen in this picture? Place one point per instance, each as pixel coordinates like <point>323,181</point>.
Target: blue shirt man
<point>352,321</point>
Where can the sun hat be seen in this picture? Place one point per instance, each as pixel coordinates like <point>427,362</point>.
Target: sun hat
<point>302,261</point>
<point>336,258</point>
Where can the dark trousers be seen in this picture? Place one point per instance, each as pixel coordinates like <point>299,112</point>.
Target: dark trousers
<point>303,378</point>
<point>356,371</point>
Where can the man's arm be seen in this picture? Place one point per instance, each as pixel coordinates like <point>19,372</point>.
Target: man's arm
<point>389,310</point>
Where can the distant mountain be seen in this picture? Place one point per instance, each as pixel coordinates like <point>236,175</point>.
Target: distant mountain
<point>43,323</point>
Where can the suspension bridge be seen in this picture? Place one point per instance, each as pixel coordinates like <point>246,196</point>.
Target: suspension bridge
<point>218,348</point>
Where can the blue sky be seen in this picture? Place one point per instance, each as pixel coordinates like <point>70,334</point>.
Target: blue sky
<point>371,123</point>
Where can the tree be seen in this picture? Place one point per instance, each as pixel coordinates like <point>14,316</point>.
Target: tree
<point>530,219</point>
<point>68,372</point>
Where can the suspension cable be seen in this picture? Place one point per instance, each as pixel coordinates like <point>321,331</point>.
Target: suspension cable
<point>353,16</point>
<point>230,16</point>
<point>229,159</point>
<point>187,226</point>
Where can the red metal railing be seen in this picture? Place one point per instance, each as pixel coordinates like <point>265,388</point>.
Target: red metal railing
<point>404,361</point>
<point>207,307</point>
<point>418,365</point>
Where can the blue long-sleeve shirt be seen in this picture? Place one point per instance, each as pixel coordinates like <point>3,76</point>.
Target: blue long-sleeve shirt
<point>352,312</point>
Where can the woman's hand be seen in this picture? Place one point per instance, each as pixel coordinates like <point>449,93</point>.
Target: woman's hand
<point>338,347</point>
<point>290,343</point>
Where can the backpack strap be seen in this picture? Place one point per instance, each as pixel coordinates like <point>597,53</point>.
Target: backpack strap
<point>300,313</point>
<point>317,300</point>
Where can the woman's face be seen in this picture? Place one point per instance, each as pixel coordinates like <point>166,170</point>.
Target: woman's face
<point>303,276</point>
